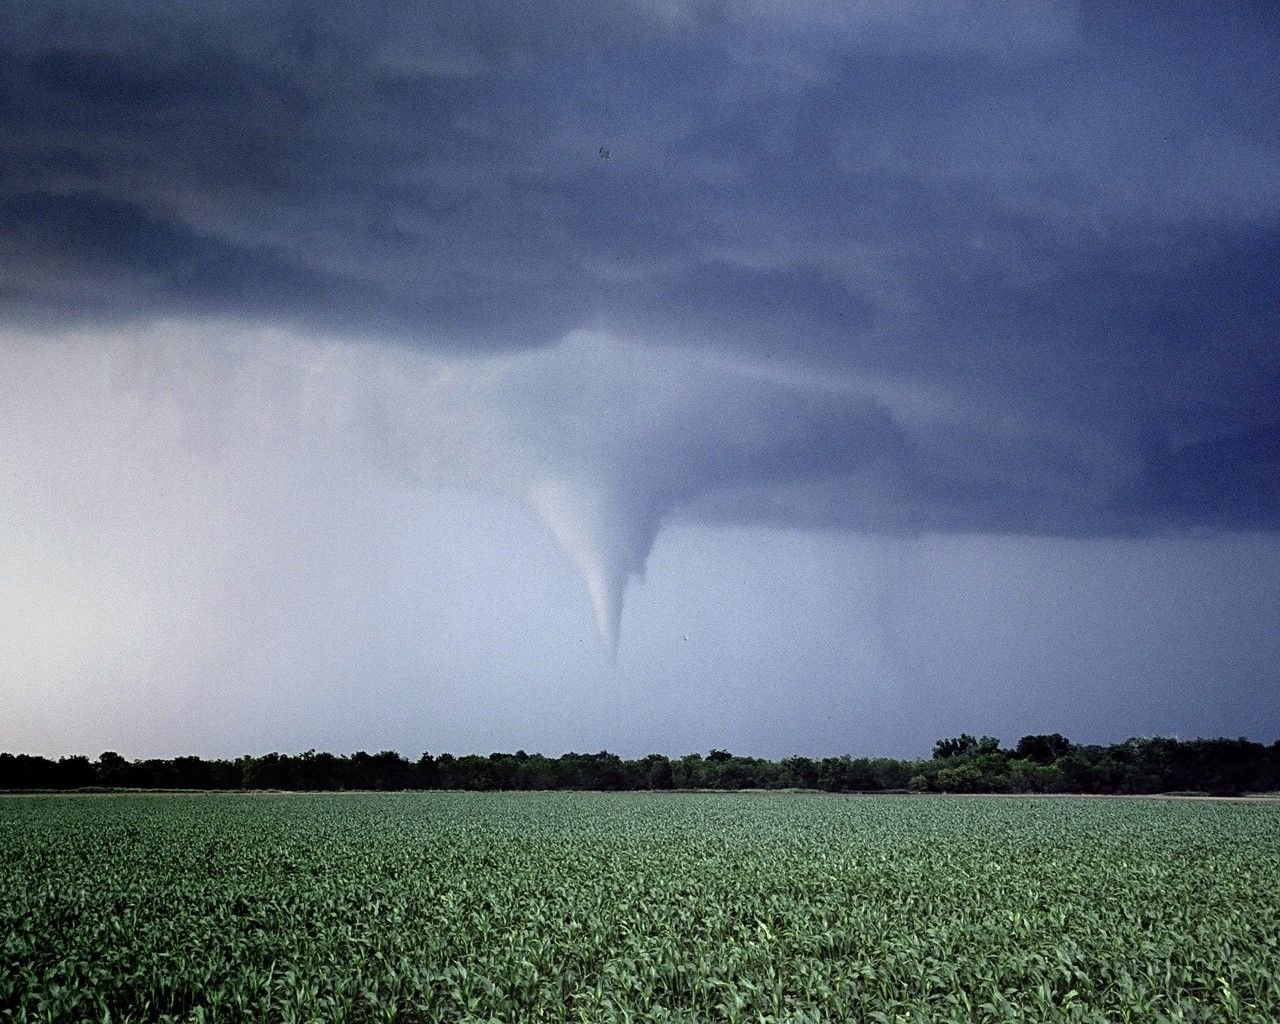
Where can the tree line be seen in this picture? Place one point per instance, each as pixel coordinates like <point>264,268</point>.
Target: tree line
<point>962,764</point>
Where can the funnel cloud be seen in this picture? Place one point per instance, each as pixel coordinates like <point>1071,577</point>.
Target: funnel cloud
<point>601,541</point>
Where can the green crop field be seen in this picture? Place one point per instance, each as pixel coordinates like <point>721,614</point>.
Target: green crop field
<point>636,907</point>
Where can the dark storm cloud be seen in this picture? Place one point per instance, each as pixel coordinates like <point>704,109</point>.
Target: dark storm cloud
<point>83,256</point>
<point>1055,230</point>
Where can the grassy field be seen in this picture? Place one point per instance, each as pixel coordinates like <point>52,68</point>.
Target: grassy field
<point>636,907</point>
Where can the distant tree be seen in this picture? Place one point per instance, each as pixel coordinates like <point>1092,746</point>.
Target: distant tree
<point>799,772</point>
<point>861,775</point>
<point>1269,774</point>
<point>471,771</point>
<point>953,746</point>
<point>833,775</point>
<point>1228,767</point>
<point>75,772</point>
<point>504,770</point>
<point>687,772</point>
<point>153,773</point>
<point>965,745</point>
<point>542,772</point>
<point>656,772</point>
<point>1043,749</point>
<point>984,773</point>
<point>446,771</point>
<point>28,771</point>
<point>192,773</point>
<point>765,774</point>
<point>963,778</point>
<point>1076,769</point>
<point>111,769</point>
<point>606,773</point>
<point>1029,776</point>
<point>227,774</point>
<point>1111,773</point>
<point>317,771</point>
<point>424,773</point>
<point>735,773</point>
<point>391,771</point>
<point>890,773</point>
<point>271,771</point>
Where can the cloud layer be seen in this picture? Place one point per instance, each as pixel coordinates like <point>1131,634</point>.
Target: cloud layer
<point>900,268</point>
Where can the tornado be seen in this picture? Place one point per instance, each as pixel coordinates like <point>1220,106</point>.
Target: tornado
<point>607,537</point>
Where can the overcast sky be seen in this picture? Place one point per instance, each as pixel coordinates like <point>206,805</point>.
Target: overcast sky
<point>658,375</point>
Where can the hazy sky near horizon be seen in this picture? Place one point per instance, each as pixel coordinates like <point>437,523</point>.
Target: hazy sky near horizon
<point>655,375</point>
